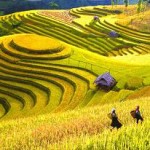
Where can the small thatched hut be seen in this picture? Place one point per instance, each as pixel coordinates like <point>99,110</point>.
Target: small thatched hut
<point>105,81</point>
<point>113,34</point>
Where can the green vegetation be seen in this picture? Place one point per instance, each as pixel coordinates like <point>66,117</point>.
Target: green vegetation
<point>53,5</point>
<point>126,2</point>
<point>1,13</point>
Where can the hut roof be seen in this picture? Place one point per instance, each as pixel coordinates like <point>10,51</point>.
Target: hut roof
<point>113,34</point>
<point>105,79</point>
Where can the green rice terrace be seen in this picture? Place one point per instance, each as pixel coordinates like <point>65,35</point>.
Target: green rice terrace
<point>49,60</point>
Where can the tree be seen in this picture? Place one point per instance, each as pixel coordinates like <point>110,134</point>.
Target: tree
<point>112,3</point>
<point>117,2</point>
<point>140,5</point>
<point>126,2</point>
<point>53,5</point>
<point>145,4</point>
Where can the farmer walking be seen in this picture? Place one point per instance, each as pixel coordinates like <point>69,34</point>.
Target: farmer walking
<point>115,122</point>
<point>138,115</point>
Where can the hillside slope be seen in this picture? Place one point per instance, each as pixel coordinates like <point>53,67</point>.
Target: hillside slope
<point>49,61</point>
<point>47,75</point>
<point>57,77</point>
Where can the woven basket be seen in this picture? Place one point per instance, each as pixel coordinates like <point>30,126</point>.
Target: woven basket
<point>133,112</point>
<point>109,116</point>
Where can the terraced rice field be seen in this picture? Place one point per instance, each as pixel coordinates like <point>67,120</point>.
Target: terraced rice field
<point>43,87</point>
<point>91,37</point>
<point>41,73</point>
<point>30,80</point>
<point>49,61</point>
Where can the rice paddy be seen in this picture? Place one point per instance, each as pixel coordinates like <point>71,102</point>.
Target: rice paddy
<point>49,61</point>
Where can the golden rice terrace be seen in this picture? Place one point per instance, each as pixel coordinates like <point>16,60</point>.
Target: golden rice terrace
<point>47,65</point>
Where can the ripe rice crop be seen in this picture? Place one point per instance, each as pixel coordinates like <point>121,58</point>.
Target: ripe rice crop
<point>36,43</point>
<point>60,15</point>
<point>61,108</point>
<point>139,22</point>
<point>81,128</point>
